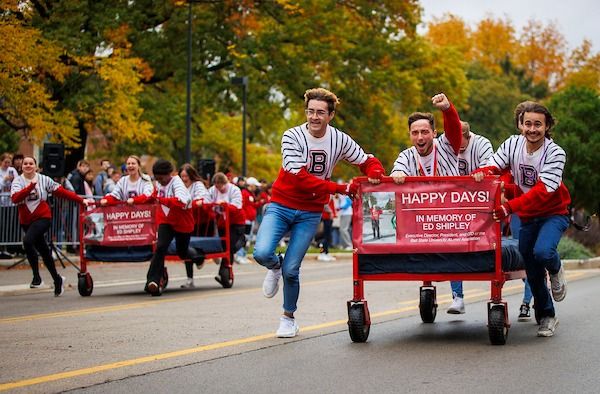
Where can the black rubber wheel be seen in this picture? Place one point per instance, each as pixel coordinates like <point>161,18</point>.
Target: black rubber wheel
<point>358,329</point>
<point>427,306</point>
<point>224,278</point>
<point>497,328</point>
<point>85,284</point>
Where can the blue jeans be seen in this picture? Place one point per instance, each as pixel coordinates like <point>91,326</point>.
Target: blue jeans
<point>527,294</point>
<point>277,221</point>
<point>457,288</point>
<point>538,240</point>
<point>515,227</point>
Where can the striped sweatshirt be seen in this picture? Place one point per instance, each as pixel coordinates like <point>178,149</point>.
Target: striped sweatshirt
<point>174,200</point>
<point>308,162</point>
<point>140,190</point>
<point>32,198</point>
<point>476,154</point>
<point>443,160</point>
<point>540,191</point>
<point>233,198</point>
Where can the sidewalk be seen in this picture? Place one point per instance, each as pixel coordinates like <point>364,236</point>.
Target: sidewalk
<point>16,281</point>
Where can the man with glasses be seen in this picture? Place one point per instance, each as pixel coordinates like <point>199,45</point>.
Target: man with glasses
<point>309,152</point>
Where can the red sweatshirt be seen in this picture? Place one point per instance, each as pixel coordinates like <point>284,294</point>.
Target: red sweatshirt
<point>32,198</point>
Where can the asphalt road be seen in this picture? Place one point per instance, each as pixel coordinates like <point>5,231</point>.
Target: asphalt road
<point>213,340</point>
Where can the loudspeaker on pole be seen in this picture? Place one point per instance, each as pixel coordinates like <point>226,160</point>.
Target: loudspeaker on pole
<point>53,160</point>
<point>206,168</point>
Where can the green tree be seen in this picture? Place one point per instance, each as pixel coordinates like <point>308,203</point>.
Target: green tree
<point>577,112</point>
<point>67,69</point>
<point>491,104</point>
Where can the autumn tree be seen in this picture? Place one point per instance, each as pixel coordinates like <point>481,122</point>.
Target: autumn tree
<point>542,51</point>
<point>583,68</point>
<point>66,71</point>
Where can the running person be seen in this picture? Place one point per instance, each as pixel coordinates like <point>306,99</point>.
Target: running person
<point>475,150</point>
<point>174,219</point>
<point>309,153</point>
<point>223,191</point>
<point>30,191</point>
<point>541,201</point>
<point>199,195</point>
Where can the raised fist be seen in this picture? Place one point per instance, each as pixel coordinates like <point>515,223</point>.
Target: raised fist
<point>441,101</point>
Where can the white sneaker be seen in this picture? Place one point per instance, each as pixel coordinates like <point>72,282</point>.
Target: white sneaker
<point>558,283</point>
<point>287,327</point>
<point>547,326</point>
<point>189,284</point>
<point>59,287</point>
<point>457,307</point>
<point>242,260</point>
<point>325,257</point>
<point>271,282</point>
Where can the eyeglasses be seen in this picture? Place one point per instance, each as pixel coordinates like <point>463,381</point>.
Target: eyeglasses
<point>320,113</point>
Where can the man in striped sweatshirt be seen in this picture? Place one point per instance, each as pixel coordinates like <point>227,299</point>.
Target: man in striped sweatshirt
<point>540,199</point>
<point>430,156</point>
<point>309,152</point>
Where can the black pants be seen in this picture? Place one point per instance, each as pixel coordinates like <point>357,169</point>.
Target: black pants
<point>237,239</point>
<point>327,228</point>
<point>165,236</point>
<point>34,241</point>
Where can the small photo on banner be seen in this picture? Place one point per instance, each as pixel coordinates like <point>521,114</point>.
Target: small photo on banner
<point>379,217</point>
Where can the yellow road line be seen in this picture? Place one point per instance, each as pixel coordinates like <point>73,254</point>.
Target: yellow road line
<point>184,352</point>
<point>142,304</point>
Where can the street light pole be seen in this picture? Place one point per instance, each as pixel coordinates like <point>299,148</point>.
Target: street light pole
<point>244,82</point>
<point>188,104</point>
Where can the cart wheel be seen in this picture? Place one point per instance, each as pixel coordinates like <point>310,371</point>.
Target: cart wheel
<point>85,284</point>
<point>497,328</point>
<point>358,329</point>
<point>224,278</point>
<point>165,279</point>
<point>427,305</point>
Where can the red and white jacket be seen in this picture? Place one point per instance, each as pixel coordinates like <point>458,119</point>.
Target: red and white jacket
<point>538,190</point>
<point>32,198</point>
<point>174,202</point>
<point>140,190</point>
<point>233,198</point>
<point>308,162</point>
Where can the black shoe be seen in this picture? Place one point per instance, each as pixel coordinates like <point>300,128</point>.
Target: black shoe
<point>154,289</point>
<point>525,313</point>
<point>36,282</point>
<point>199,261</point>
<point>5,255</point>
<point>59,286</point>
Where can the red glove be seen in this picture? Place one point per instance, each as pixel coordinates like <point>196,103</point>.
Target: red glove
<point>349,189</point>
<point>501,212</point>
<point>376,173</point>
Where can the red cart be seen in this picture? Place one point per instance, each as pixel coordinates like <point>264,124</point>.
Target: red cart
<point>431,229</point>
<point>128,233</point>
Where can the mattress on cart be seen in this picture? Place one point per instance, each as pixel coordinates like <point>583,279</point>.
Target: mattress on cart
<point>118,253</point>
<point>203,245</point>
<point>440,263</point>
